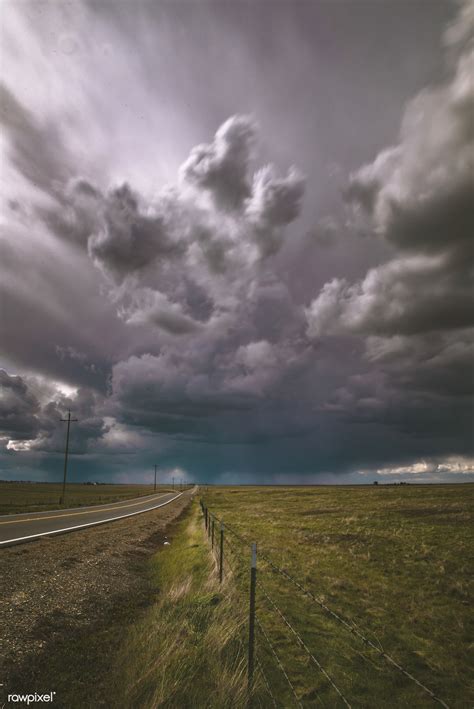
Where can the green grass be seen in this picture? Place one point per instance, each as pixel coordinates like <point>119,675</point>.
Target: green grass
<point>35,497</point>
<point>396,560</point>
<point>188,648</point>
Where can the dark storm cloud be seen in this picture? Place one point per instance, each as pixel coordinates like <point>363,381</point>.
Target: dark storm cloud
<point>18,408</point>
<point>161,254</point>
<point>417,308</point>
<point>31,411</point>
<point>404,296</point>
<point>129,241</point>
<point>85,433</point>
<point>191,389</point>
<point>187,300</point>
<point>418,196</point>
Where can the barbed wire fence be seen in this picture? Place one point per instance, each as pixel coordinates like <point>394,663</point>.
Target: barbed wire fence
<point>236,557</point>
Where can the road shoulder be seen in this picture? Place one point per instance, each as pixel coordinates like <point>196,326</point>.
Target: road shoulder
<point>59,592</point>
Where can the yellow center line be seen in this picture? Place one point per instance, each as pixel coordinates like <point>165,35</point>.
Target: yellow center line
<point>85,512</point>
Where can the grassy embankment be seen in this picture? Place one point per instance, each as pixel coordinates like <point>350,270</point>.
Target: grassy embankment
<point>187,650</point>
<point>36,497</point>
<point>396,560</point>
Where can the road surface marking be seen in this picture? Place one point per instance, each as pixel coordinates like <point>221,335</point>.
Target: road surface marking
<point>88,524</point>
<point>72,514</point>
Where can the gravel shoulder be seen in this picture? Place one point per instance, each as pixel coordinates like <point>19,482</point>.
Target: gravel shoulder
<point>58,588</point>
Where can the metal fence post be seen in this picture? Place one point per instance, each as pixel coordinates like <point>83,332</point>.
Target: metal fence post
<point>253,584</point>
<point>221,553</point>
<point>212,535</point>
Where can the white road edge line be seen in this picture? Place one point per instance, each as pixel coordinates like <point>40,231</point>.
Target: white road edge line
<point>84,507</point>
<point>89,524</point>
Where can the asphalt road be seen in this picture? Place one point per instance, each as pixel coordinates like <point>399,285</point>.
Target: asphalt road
<point>25,527</point>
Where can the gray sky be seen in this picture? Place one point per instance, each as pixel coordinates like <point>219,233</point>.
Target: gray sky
<point>235,239</point>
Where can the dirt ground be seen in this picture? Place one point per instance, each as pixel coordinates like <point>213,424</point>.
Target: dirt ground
<point>55,586</point>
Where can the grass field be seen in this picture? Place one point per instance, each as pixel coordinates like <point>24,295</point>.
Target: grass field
<point>35,497</point>
<point>395,560</point>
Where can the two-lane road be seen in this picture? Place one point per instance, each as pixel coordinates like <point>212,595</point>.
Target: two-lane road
<point>25,527</point>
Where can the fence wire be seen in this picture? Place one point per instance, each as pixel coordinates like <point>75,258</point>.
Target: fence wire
<point>278,661</point>
<point>355,630</point>
<point>266,682</point>
<point>303,645</point>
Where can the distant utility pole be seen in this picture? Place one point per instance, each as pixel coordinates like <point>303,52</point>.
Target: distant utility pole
<point>68,421</point>
<point>172,483</point>
<point>155,478</point>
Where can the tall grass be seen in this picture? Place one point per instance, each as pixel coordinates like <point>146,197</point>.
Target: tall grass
<point>188,648</point>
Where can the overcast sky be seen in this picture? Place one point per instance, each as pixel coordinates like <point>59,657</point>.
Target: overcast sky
<point>235,240</point>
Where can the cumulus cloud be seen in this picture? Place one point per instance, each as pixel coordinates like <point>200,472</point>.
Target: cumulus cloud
<point>129,240</point>
<point>274,202</point>
<point>208,233</point>
<point>180,242</point>
<point>462,465</point>
<point>195,263</point>
<point>222,167</point>
<point>418,197</point>
<point>404,296</point>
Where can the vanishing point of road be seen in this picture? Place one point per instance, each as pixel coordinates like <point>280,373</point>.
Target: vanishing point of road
<point>28,526</point>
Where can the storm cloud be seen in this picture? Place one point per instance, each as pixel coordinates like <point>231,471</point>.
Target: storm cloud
<point>248,259</point>
<point>417,195</point>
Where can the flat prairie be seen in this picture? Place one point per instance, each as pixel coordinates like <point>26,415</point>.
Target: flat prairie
<point>16,497</point>
<point>392,562</point>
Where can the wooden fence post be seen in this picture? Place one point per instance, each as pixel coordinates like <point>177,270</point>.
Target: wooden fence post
<point>253,586</point>
<point>221,554</point>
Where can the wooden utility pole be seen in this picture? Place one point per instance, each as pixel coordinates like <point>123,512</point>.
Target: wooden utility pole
<point>68,420</point>
<point>155,479</point>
